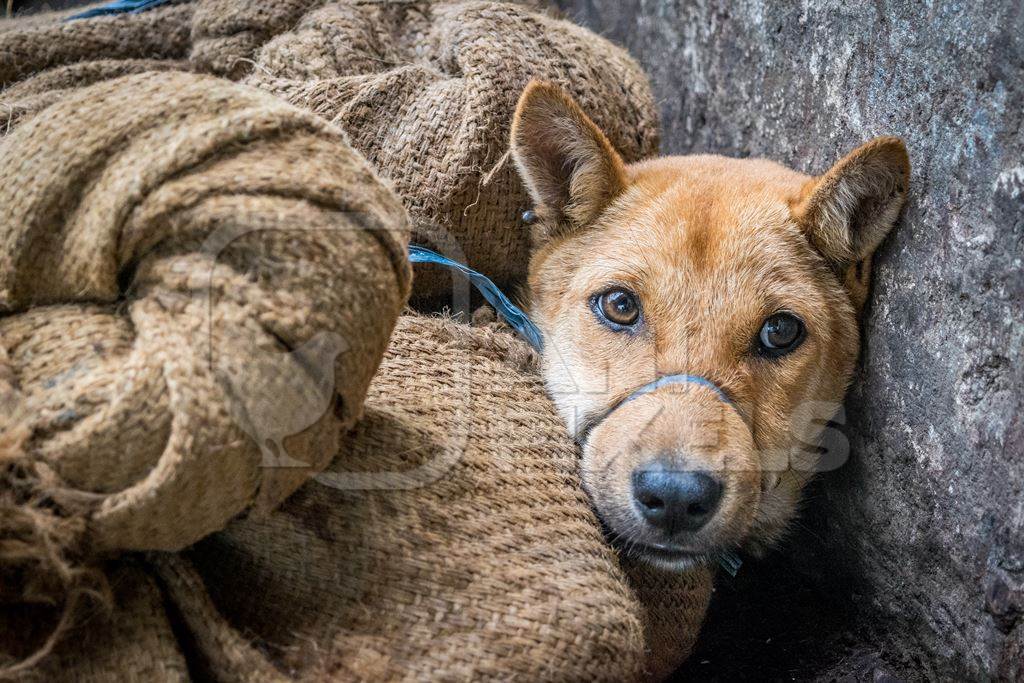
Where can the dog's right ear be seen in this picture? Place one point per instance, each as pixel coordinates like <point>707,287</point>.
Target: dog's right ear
<point>847,212</point>
<point>568,165</point>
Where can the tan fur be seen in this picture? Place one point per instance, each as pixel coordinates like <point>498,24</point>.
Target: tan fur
<point>712,246</point>
<point>550,128</point>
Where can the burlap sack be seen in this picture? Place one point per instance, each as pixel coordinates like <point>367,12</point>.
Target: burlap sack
<point>210,36</point>
<point>476,557</point>
<point>427,91</point>
<point>127,637</point>
<point>197,282</point>
<point>214,36</point>
<point>485,561</point>
<point>34,44</point>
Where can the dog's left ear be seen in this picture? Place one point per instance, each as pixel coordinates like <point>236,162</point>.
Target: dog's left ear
<point>568,165</point>
<point>847,212</point>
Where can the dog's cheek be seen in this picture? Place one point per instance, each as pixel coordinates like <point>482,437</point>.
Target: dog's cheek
<point>743,499</point>
<point>608,460</point>
<point>561,378</point>
<point>779,507</point>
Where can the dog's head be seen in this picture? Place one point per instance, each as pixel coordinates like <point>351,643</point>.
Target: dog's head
<point>738,279</point>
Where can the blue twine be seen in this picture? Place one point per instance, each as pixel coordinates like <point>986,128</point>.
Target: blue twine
<point>730,562</point>
<point>682,378</point>
<point>118,7</point>
<point>512,314</point>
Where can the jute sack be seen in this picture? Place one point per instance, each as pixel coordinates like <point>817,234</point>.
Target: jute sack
<point>126,637</point>
<point>30,45</point>
<point>210,36</point>
<point>473,554</point>
<point>426,90</point>
<point>43,57</point>
<point>197,283</point>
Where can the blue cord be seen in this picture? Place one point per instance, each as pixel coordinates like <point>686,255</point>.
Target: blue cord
<point>118,7</point>
<point>512,314</point>
<point>666,380</point>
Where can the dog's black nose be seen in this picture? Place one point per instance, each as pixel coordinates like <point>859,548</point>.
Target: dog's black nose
<point>673,499</point>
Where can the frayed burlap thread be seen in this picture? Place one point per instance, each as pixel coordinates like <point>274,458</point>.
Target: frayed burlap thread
<point>40,542</point>
<point>128,637</point>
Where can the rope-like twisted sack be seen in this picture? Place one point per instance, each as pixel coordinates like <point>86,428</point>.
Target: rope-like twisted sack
<point>197,282</point>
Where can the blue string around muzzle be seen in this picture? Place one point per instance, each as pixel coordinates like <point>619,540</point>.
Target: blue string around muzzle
<point>521,323</point>
<point>668,380</point>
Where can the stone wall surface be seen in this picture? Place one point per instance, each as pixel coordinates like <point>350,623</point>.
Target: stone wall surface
<point>909,561</point>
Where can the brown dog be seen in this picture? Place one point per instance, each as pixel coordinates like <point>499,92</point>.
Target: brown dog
<point>736,281</point>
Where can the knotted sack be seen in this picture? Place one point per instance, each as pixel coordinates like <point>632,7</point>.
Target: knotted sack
<point>197,283</point>
<point>426,90</point>
<point>450,539</point>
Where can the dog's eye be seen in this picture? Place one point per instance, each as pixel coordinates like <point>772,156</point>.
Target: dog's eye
<point>781,333</point>
<point>618,307</point>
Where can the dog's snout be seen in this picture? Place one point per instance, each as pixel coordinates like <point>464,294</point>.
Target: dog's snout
<point>673,499</point>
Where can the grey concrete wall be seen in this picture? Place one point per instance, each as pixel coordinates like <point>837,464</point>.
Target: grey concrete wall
<point>910,559</point>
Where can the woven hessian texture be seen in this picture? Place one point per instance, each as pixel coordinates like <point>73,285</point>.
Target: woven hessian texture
<point>426,91</point>
<point>673,608</point>
<point>34,44</point>
<point>197,282</point>
<point>486,562</point>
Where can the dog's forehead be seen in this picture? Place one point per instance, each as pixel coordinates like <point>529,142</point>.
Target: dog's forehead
<point>705,214</point>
